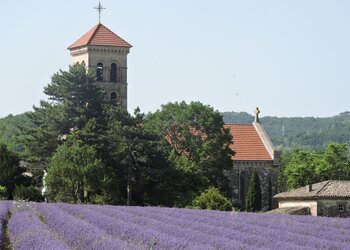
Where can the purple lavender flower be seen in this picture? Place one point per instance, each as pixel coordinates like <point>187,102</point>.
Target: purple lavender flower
<point>28,232</point>
<point>78,233</point>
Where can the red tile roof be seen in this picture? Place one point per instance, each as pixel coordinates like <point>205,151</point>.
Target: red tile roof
<point>100,35</point>
<point>247,143</point>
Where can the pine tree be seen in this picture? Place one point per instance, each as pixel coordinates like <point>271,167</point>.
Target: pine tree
<point>253,200</point>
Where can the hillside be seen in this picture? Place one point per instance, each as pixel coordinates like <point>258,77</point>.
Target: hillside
<point>306,132</point>
<point>10,130</point>
<point>67,226</point>
<point>284,132</point>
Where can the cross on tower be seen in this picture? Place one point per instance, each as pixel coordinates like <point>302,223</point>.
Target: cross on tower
<point>99,8</point>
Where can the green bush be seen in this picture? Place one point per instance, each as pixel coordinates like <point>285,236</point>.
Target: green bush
<point>3,193</point>
<point>212,199</point>
<point>29,193</point>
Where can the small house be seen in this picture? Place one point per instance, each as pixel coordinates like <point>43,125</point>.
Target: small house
<point>327,198</point>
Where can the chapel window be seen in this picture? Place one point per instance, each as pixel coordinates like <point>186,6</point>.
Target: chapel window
<point>99,71</point>
<point>113,76</point>
<point>113,96</point>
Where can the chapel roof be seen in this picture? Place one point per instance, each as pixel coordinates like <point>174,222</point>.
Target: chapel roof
<point>325,189</point>
<point>247,143</point>
<point>100,35</point>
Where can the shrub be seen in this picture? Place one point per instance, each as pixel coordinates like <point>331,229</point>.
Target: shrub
<point>3,193</point>
<point>212,199</point>
<point>29,193</point>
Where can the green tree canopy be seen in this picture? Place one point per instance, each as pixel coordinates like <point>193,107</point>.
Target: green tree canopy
<point>197,146</point>
<point>301,166</point>
<point>74,173</point>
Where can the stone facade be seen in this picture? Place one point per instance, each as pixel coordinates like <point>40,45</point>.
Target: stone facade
<point>334,208</point>
<point>240,176</point>
<point>253,149</point>
<point>105,53</point>
<point>312,205</point>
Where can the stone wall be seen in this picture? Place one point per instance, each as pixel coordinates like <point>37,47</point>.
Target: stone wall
<point>91,55</point>
<point>240,176</point>
<point>332,208</point>
<point>300,203</point>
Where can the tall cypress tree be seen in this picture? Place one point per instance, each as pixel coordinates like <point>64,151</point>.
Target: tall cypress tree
<point>253,200</point>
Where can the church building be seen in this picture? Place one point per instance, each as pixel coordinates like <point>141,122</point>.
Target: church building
<point>105,52</point>
<point>253,149</point>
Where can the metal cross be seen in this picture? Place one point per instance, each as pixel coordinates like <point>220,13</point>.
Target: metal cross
<point>99,8</point>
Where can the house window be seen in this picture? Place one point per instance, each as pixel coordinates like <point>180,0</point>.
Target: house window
<point>341,207</point>
<point>99,71</point>
<point>113,96</point>
<point>113,75</point>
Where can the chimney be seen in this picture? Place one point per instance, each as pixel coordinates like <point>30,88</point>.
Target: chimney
<point>309,188</point>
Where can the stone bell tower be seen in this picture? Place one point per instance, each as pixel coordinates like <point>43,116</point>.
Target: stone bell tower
<point>106,53</point>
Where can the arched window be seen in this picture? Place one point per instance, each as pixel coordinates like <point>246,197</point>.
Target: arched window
<point>113,96</point>
<point>113,76</point>
<point>99,71</point>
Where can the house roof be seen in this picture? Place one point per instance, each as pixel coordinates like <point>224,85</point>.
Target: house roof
<point>325,189</point>
<point>247,143</point>
<point>100,35</point>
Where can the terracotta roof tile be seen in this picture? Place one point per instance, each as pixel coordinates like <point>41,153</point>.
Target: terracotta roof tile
<point>247,143</point>
<point>100,35</point>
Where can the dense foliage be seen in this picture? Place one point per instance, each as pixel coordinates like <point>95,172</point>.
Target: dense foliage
<point>301,167</point>
<point>253,200</point>
<point>10,171</point>
<point>3,193</point>
<point>94,151</point>
<point>197,146</point>
<point>65,226</point>
<point>292,132</point>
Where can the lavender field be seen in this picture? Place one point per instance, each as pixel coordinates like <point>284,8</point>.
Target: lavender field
<point>65,226</point>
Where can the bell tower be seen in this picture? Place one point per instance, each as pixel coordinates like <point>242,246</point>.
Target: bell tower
<point>106,53</point>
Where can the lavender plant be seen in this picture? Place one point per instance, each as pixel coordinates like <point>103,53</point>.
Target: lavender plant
<point>78,233</point>
<point>120,227</point>
<point>28,232</point>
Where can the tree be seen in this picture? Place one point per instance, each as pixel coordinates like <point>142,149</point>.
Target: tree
<point>336,163</point>
<point>74,101</point>
<point>197,147</point>
<point>134,155</point>
<point>212,199</point>
<point>10,171</point>
<point>301,166</point>
<point>253,200</point>
<point>74,173</point>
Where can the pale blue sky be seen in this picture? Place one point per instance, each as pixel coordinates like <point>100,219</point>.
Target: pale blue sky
<point>290,58</point>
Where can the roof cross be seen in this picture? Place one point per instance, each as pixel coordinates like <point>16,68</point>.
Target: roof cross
<point>257,112</point>
<point>99,8</point>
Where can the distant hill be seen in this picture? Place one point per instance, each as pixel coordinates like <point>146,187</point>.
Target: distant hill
<point>284,132</point>
<point>294,132</point>
<point>9,130</point>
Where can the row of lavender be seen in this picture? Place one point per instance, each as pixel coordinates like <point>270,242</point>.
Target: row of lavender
<point>171,228</point>
<point>4,208</point>
<point>64,226</point>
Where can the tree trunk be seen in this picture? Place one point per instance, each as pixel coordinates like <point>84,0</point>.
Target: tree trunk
<point>129,178</point>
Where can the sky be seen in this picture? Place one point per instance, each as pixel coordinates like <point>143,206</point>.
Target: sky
<point>288,57</point>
